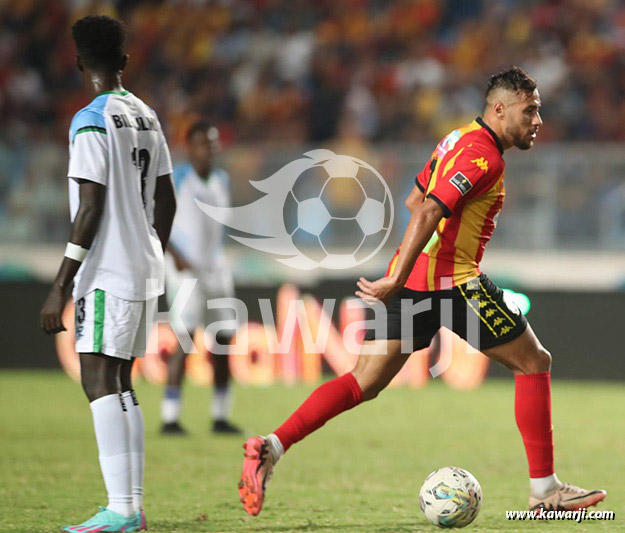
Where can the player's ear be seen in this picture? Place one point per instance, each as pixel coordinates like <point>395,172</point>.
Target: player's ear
<point>124,62</point>
<point>500,109</point>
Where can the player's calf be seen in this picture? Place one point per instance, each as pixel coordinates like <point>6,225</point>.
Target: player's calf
<point>377,365</point>
<point>535,362</point>
<point>325,402</point>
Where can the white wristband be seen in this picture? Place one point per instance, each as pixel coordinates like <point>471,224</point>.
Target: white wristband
<point>75,252</point>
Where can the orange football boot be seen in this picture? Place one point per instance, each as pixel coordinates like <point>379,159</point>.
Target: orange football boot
<point>257,469</point>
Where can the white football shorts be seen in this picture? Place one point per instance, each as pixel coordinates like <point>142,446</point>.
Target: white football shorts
<point>112,326</point>
<point>194,312</point>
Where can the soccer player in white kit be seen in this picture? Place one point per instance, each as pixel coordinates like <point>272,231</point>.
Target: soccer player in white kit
<point>122,205</point>
<point>196,253</point>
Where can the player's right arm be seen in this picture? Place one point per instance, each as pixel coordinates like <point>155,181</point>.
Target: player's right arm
<point>89,168</point>
<point>425,214</point>
<point>423,221</point>
<point>83,231</point>
<point>417,194</point>
<point>414,199</point>
<point>470,174</point>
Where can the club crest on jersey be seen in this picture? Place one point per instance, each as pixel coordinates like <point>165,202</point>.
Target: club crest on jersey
<point>461,182</point>
<point>447,143</point>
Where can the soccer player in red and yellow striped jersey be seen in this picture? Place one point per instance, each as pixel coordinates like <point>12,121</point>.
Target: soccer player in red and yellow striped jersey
<point>453,205</point>
<point>465,177</point>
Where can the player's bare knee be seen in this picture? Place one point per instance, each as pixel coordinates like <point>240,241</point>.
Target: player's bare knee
<point>90,378</point>
<point>126,383</point>
<point>99,375</point>
<point>93,387</point>
<point>87,387</point>
<point>125,375</point>
<point>370,386</point>
<point>539,361</point>
<point>544,360</point>
<point>371,391</point>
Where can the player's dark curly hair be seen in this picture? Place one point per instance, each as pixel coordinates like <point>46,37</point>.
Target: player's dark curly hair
<point>514,79</point>
<point>100,42</point>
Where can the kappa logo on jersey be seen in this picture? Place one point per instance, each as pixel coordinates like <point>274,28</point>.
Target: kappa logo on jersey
<point>461,182</point>
<point>481,163</point>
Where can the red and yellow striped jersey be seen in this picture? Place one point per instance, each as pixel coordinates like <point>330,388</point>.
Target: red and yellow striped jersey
<point>465,176</point>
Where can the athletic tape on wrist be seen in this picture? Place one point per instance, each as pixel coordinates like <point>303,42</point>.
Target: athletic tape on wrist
<point>75,252</point>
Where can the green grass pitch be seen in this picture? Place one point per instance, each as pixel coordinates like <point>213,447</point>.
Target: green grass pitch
<point>361,473</point>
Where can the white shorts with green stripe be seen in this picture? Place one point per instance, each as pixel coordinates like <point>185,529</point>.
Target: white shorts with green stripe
<point>112,326</point>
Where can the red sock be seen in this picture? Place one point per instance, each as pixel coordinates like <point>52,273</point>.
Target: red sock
<point>326,402</point>
<point>532,410</point>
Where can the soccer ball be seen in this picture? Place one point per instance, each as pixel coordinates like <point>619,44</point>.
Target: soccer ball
<point>339,212</point>
<point>450,497</point>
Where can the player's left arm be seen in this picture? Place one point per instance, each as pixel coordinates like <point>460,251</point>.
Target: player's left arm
<point>83,231</point>
<point>164,208</point>
<point>164,194</point>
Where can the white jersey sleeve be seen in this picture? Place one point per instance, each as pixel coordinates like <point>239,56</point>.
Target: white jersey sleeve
<point>89,150</point>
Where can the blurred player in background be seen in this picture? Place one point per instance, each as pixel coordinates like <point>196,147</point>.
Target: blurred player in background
<point>458,195</point>
<point>196,253</point>
<point>122,205</point>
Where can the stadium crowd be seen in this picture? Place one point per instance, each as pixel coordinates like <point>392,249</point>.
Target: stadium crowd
<point>295,71</point>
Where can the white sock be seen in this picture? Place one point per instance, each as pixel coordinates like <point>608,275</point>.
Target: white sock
<point>222,400</point>
<point>275,447</point>
<point>542,486</point>
<point>111,433</point>
<point>171,404</point>
<point>137,446</point>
